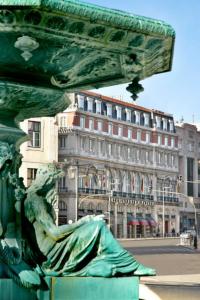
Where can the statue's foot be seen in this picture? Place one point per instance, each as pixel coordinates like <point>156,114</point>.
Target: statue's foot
<point>23,275</point>
<point>144,271</point>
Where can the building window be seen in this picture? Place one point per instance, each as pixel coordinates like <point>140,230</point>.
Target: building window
<point>63,122</point>
<point>91,124</point>
<point>82,122</point>
<point>191,146</point>
<point>62,184</point>
<point>129,133</point>
<point>190,172</point>
<point>91,145</point>
<point>138,135</point>
<point>31,175</point>
<point>110,128</point>
<point>172,142</point>
<point>62,142</point>
<point>159,139</point>
<point>120,131</point>
<point>99,126</point>
<point>34,131</point>
<point>100,146</point>
<point>147,137</point>
<point>110,149</point>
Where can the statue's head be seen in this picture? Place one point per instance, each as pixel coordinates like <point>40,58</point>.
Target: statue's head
<point>46,178</point>
<point>6,153</point>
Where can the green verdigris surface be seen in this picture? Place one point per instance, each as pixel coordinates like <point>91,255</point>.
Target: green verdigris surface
<point>84,248</point>
<point>73,45</point>
<point>90,288</point>
<point>11,194</point>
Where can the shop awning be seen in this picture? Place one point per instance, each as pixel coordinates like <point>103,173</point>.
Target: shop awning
<point>152,222</point>
<point>133,221</point>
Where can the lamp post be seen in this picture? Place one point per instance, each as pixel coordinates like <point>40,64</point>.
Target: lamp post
<point>109,208</point>
<point>76,191</point>
<point>191,200</point>
<point>163,209</point>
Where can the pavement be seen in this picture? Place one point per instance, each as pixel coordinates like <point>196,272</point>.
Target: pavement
<point>177,266</point>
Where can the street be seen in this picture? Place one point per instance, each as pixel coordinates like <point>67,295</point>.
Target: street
<point>165,255</point>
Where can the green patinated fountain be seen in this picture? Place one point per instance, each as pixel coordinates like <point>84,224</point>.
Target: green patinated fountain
<point>49,48</point>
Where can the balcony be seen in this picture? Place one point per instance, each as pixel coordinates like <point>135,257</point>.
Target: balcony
<point>117,194</point>
<point>168,199</point>
<point>62,189</point>
<point>92,191</point>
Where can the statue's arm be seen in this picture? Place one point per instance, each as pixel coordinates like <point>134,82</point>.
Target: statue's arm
<point>59,232</point>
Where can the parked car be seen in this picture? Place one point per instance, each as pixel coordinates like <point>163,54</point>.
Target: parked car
<point>188,233</point>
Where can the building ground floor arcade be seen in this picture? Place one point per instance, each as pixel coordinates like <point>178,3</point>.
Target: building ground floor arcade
<point>126,217</point>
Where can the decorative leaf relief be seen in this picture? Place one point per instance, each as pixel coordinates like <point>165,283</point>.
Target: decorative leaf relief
<point>6,17</point>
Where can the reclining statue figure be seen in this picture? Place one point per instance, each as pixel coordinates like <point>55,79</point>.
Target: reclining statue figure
<point>84,248</point>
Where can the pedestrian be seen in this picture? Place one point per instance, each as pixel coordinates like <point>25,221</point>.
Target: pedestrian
<point>195,241</point>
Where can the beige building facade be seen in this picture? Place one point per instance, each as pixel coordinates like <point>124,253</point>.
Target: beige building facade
<point>40,149</point>
<point>189,171</point>
<point>120,160</point>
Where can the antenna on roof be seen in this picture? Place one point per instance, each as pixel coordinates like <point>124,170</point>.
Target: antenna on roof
<point>193,118</point>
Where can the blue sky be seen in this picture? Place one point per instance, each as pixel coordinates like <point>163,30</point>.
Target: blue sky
<point>176,92</point>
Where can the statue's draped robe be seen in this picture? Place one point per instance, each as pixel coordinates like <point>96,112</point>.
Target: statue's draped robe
<point>7,209</point>
<point>89,250</point>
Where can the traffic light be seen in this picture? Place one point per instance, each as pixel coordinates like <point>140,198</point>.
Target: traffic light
<point>180,178</point>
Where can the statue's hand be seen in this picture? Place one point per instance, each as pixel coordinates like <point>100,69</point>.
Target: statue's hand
<point>89,218</point>
<point>86,219</point>
<point>99,217</point>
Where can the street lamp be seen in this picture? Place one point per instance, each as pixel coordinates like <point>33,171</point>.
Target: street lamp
<point>109,204</point>
<point>77,165</point>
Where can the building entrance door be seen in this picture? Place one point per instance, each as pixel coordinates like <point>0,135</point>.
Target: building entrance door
<point>166,226</point>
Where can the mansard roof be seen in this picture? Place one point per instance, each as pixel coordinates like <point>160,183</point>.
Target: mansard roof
<point>125,104</point>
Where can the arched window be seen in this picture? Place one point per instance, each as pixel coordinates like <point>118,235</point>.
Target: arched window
<point>142,119</point>
<point>62,213</point>
<point>114,112</point>
<point>90,208</point>
<point>137,184</point>
<point>133,183</point>
<point>62,206</point>
<point>85,104</point>
<point>128,182</point>
<point>132,116</point>
<point>99,208</point>
<point>109,179</point>
<point>124,181</point>
<point>119,181</point>
<point>146,184</point>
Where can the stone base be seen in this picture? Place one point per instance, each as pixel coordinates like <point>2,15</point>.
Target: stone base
<point>10,291</point>
<point>75,288</point>
<point>90,288</point>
